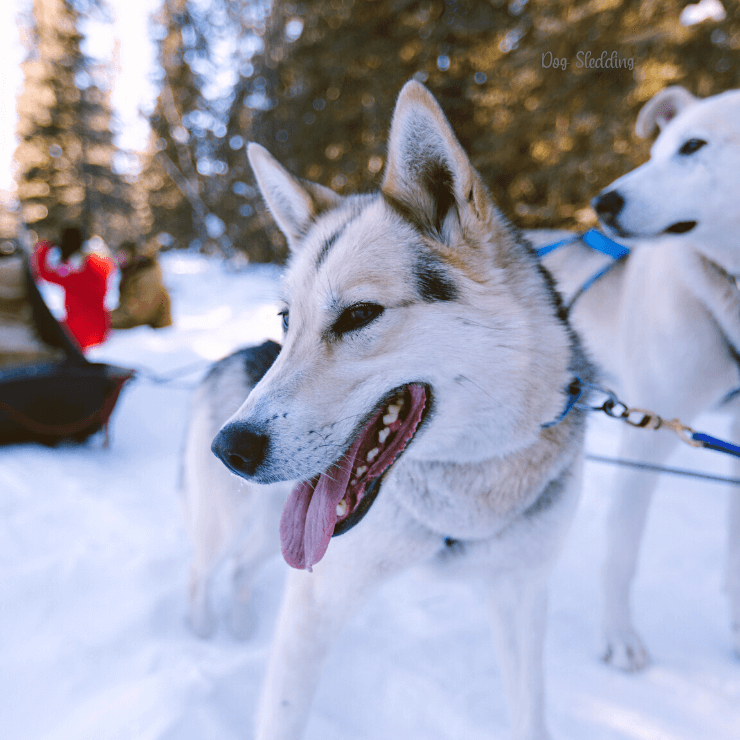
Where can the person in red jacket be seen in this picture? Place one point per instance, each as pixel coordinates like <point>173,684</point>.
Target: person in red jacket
<point>84,279</point>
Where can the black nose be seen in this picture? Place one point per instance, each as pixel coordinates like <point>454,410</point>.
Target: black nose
<point>608,205</point>
<point>241,447</point>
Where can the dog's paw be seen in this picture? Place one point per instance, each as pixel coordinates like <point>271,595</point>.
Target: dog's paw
<point>624,650</point>
<point>202,623</point>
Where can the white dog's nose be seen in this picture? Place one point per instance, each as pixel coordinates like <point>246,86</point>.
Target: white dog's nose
<point>241,448</point>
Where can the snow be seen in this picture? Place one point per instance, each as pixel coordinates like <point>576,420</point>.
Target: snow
<point>702,11</point>
<point>93,574</point>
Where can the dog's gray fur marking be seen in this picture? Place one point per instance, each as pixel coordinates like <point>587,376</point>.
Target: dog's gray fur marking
<point>549,496</point>
<point>255,361</point>
<point>432,281</point>
<point>328,244</point>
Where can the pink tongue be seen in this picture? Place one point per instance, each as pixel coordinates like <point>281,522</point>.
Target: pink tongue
<point>310,513</point>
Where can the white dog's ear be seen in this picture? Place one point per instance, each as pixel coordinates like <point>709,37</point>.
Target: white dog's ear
<point>428,173</point>
<point>662,108</point>
<point>294,203</point>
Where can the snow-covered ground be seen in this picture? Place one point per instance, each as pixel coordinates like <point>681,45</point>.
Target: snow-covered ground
<point>93,573</point>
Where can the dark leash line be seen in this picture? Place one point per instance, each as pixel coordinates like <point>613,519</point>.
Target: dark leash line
<point>169,379</point>
<point>649,467</point>
<point>164,378</point>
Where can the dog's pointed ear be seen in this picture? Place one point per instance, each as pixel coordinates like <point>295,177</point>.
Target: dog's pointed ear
<point>662,108</point>
<point>293,203</point>
<point>428,172</point>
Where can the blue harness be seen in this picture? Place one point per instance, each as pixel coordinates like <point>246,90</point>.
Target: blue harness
<point>598,242</point>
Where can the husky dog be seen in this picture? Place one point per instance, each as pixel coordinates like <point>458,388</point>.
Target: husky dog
<point>420,405</point>
<point>665,323</point>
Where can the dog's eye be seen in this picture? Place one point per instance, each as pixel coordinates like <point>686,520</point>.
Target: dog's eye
<point>355,317</point>
<point>691,146</point>
<point>284,314</point>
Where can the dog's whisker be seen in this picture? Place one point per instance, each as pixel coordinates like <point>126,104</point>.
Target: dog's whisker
<point>470,322</point>
<point>465,377</point>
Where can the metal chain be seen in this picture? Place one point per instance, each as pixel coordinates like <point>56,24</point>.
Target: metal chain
<point>637,417</point>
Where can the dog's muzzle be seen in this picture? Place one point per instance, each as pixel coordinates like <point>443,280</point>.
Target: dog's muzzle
<point>241,447</point>
<point>608,206</point>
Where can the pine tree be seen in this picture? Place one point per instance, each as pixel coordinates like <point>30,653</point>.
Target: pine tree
<point>171,177</point>
<point>194,173</point>
<point>66,153</point>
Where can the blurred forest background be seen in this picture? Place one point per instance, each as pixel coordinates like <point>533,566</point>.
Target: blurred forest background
<point>315,82</point>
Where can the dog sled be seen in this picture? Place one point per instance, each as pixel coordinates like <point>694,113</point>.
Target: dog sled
<point>60,394</point>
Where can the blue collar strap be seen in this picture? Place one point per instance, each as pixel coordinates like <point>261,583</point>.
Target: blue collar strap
<point>542,251</point>
<point>595,239</point>
<point>574,391</point>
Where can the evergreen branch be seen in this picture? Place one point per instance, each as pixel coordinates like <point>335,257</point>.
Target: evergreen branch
<point>184,186</point>
<point>174,120</point>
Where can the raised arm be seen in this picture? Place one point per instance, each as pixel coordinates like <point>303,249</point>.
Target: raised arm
<point>40,265</point>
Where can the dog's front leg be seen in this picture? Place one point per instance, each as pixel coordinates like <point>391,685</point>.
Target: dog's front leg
<point>317,605</point>
<point>517,606</point>
<point>622,647</point>
<point>719,293</point>
<point>308,624</point>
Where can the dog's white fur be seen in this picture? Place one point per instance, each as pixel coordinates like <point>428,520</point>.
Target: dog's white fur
<point>483,491</point>
<point>665,326</point>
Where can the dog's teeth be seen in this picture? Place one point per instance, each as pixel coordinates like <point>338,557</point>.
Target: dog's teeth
<point>372,454</point>
<point>383,435</point>
<point>361,471</point>
<point>392,414</point>
<point>342,507</point>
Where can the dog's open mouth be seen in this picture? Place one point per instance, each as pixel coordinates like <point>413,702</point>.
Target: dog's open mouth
<point>334,501</point>
<point>682,227</point>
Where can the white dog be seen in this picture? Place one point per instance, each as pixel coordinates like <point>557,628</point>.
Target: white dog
<point>424,401</point>
<point>665,323</point>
